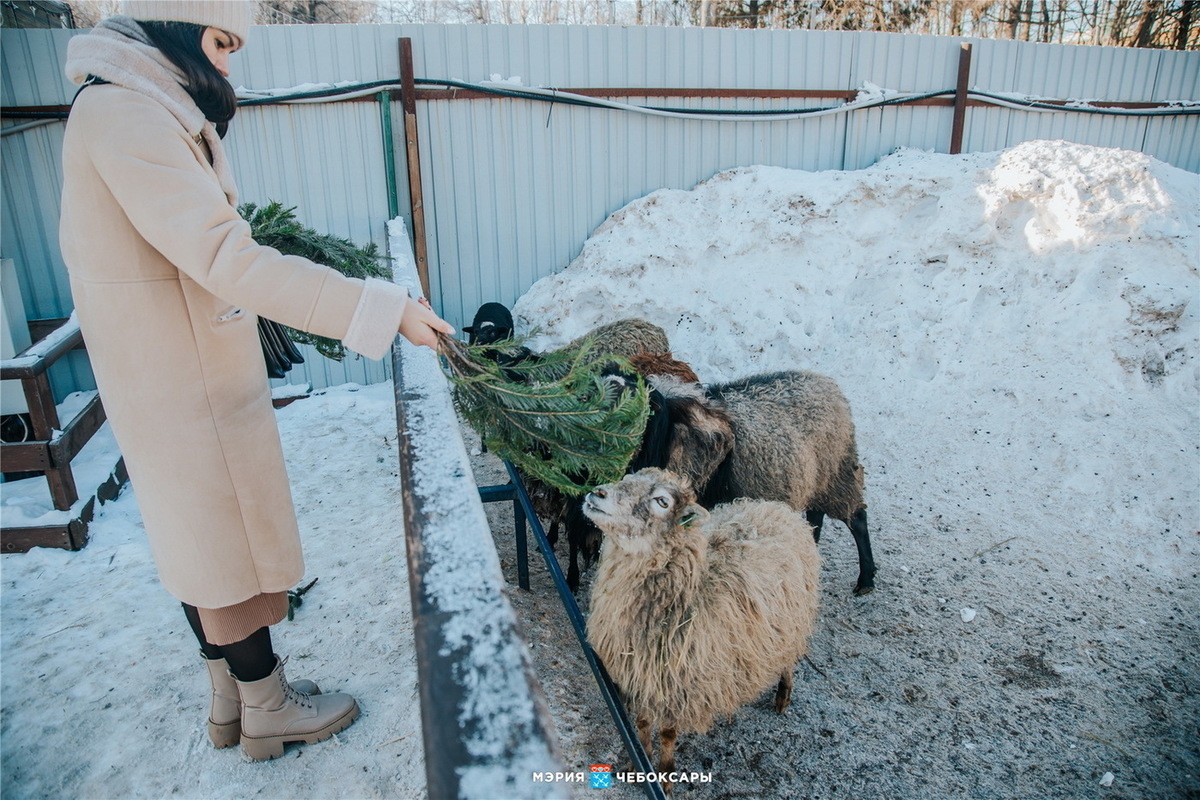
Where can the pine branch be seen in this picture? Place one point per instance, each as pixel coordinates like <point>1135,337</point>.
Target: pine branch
<point>296,598</point>
<point>561,417</point>
<point>278,227</point>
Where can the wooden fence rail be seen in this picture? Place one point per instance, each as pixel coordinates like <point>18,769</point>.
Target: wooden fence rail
<point>486,727</point>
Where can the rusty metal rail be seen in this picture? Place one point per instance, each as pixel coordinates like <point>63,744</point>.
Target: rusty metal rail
<point>486,727</point>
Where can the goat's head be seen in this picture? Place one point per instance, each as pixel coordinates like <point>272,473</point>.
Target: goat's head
<point>492,323</point>
<point>649,506</point>
<point>701,435</point>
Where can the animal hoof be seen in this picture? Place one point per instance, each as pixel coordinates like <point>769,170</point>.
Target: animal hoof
<point>861,590</point>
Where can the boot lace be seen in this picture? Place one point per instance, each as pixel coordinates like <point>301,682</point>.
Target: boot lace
<point>300,698</point>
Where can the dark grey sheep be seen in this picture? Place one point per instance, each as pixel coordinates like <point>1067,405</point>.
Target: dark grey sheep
<point>792,440</point>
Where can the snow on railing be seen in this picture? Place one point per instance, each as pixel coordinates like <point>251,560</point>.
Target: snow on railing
<point>486,726</point>
<point>38,356</point>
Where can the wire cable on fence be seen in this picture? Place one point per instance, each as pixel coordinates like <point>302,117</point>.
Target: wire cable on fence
<point>24,126</point>
<point>869,100</point>
<point>352,91</point>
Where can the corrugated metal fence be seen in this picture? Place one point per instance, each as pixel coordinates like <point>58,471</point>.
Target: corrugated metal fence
<point>513,187</point>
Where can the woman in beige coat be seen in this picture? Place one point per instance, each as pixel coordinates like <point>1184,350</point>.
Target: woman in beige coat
<point>168,285</point>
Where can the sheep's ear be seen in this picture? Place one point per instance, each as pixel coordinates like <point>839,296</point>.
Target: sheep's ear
<point>693,514</point>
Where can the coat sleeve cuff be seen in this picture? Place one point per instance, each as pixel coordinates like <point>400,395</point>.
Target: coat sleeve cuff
<point>376,320</point>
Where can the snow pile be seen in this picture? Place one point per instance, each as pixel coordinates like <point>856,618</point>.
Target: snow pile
<point>1016,331</point>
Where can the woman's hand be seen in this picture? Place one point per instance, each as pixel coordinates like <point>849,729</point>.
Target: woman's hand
<point>420,325</point>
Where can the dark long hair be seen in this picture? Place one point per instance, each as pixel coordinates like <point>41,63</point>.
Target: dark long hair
<point>180,42</point>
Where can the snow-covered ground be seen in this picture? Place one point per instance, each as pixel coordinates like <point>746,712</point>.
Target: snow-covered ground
<point>104,694</point>
<point>1017,333</point>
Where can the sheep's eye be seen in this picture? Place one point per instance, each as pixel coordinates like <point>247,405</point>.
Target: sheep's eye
<point>662,502</point>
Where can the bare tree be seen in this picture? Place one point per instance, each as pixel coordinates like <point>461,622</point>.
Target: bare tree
<point>1123,23</point>
<point>1118,22</point>
<point>740,13</point>
<point>1183,29</point>
<point>333,12</point>
<point>1145,31</point>
<point>415,11</point>
<point>88,12</point>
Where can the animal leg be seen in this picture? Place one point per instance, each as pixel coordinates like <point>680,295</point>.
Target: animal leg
<point>666,758</point>
<point>573,565</point>
<point>583,540</point>
<point>816,519</point>
<point>645,736</point>
<point>591,544</point>
<point>783,692</point>
<point>866,561</point>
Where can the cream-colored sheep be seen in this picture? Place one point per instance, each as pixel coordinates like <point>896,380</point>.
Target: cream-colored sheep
<point>695,613</point>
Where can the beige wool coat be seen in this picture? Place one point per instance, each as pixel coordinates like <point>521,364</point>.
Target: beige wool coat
<point>167,284</point>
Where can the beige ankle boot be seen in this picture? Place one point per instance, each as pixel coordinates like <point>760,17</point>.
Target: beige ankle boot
<point>274,713</point>
<point>225,713</point>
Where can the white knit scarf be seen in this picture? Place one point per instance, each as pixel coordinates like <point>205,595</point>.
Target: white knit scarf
<point>118,51</point>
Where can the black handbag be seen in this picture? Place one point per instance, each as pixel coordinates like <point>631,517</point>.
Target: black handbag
<point>279,351</point>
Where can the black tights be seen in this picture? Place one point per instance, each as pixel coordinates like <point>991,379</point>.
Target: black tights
<point>251,659</point>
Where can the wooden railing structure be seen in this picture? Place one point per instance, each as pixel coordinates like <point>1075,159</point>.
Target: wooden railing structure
<point>484,719</point>
<point>486,725</point>
<point>54,444</point>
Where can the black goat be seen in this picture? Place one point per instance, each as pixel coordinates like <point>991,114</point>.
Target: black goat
<point>493,323</point>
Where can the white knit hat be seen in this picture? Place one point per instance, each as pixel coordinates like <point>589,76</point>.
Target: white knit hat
<point>232,16</point>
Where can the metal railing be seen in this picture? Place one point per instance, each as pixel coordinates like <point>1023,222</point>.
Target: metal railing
<point>484,719</point>
<point>524,514</point>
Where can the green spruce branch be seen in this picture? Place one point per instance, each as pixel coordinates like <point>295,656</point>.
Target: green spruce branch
<point>556,416</point>
<point>277,226</point>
